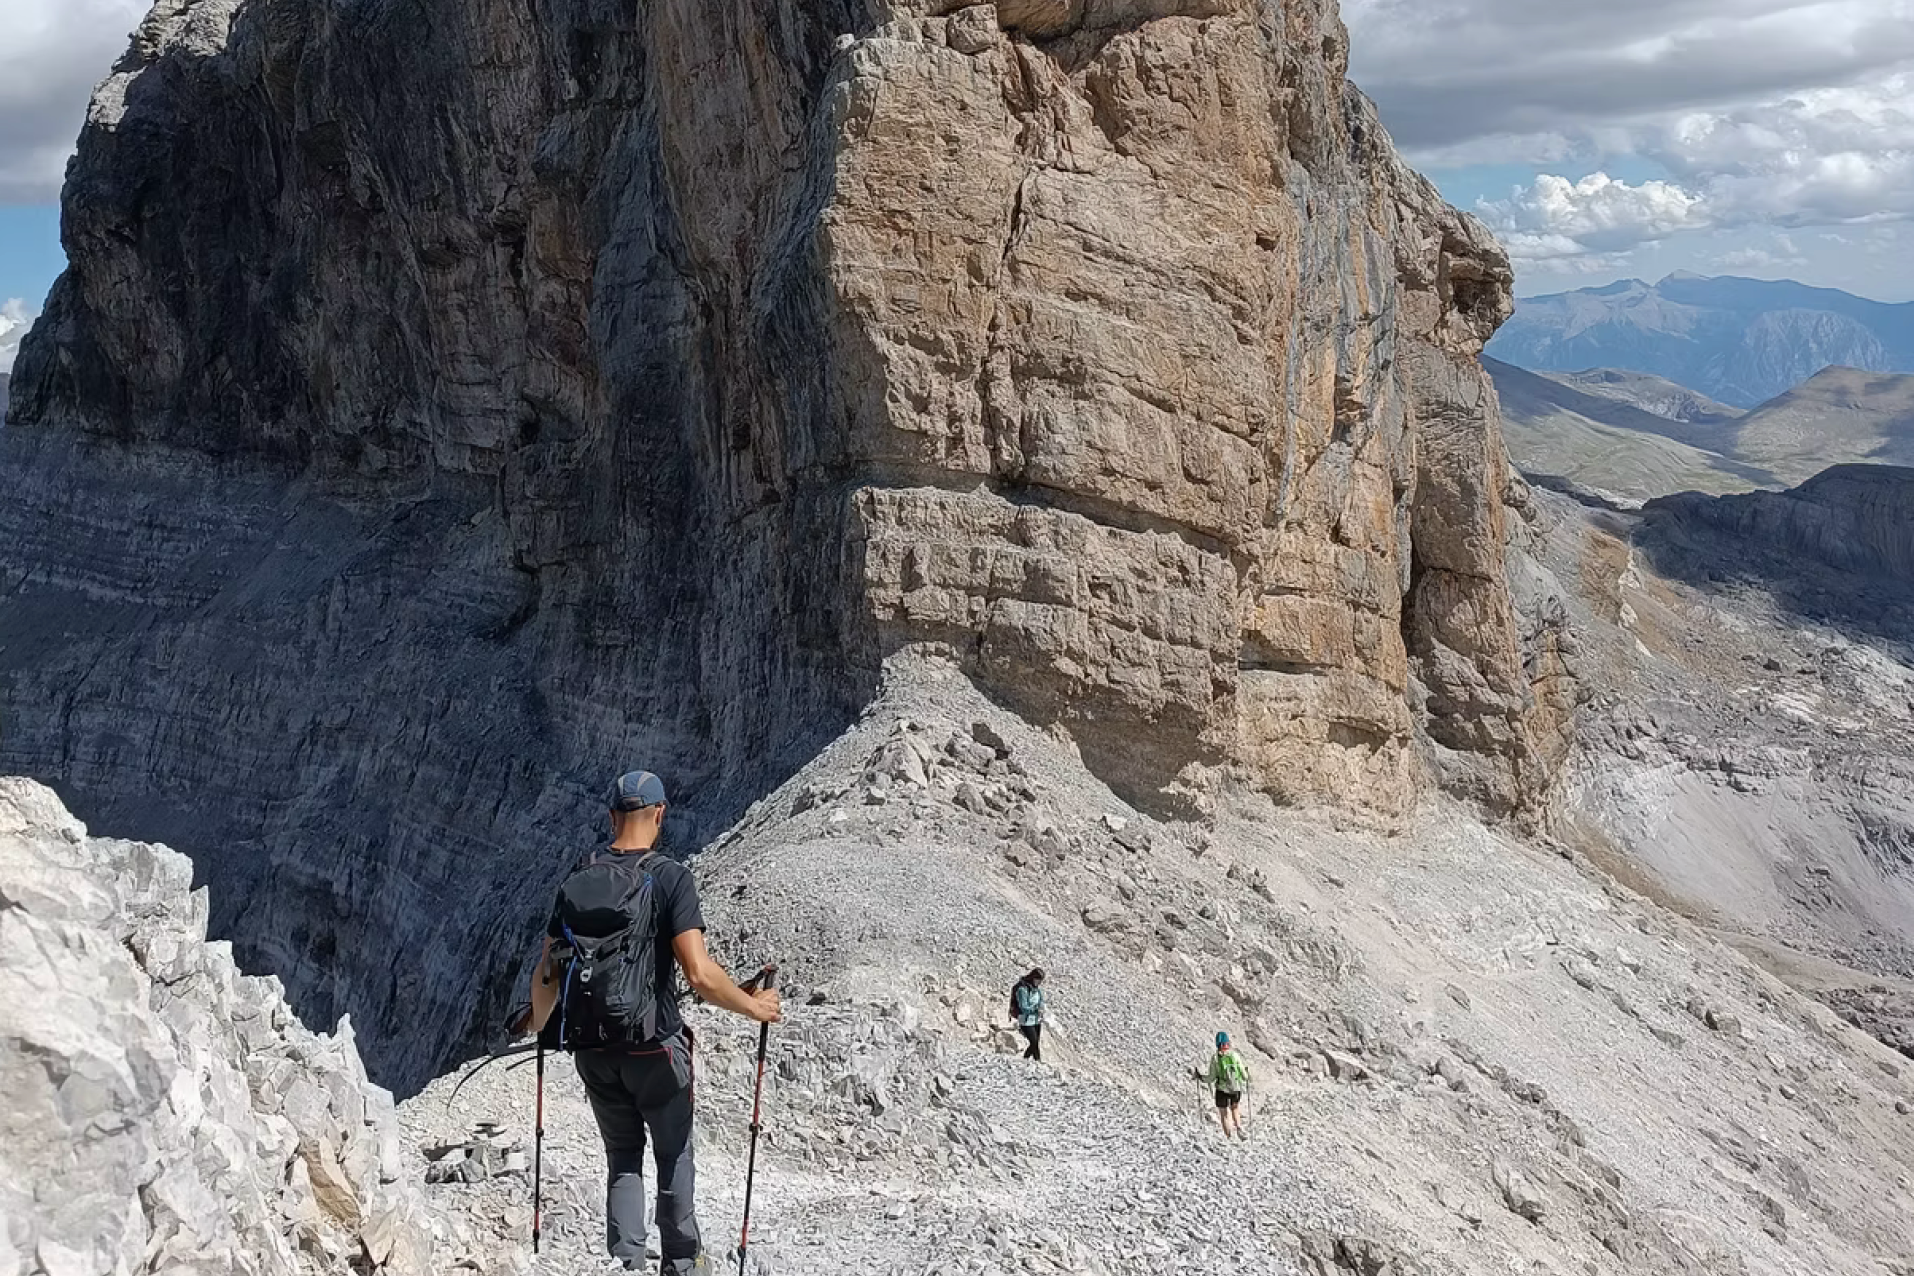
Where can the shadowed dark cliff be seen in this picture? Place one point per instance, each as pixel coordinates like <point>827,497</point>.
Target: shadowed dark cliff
<point>1839,548</point>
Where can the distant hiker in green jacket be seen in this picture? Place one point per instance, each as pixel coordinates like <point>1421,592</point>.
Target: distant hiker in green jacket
<point>1026,1009</point>
<point>1229,1078</point>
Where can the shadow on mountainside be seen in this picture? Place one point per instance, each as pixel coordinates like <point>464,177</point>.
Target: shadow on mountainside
<point>380,743</point>
<point>360,603</point>
<point>1837,550</point>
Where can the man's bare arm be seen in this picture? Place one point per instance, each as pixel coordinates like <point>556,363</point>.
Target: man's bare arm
<point>544,987</point>
<point>708,980</point>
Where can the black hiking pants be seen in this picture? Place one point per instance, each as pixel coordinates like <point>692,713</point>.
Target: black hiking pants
<point>632,1094</point>
<point>1033,1033</point>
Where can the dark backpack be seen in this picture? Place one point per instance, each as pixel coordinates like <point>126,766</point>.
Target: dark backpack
<point>1016,1011</point>
<point>607,913</point>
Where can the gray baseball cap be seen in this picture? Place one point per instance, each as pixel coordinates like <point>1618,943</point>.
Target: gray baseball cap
<point>636,790</point>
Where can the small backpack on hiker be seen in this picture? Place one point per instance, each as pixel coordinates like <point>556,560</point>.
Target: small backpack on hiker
<point>608,962</point>
<point>1232,1077</point>
<point>1026,996</point>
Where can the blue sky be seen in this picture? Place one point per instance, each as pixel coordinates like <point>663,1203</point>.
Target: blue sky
<point>1628,138</point>
<point>52,54</point>
<point>30,254</point>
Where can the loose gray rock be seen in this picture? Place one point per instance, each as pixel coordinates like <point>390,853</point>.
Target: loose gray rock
<point>1673,1040</point>
<point>1104,916</point>
<point>1345,1067</point>
<point>199,1126</point>
<point>1519,1192</point>
<point>971,798</point>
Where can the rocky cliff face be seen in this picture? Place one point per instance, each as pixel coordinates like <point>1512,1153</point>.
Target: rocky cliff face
<point>1857,519</point>
<point>449,404</point>
<point>164,1112</point>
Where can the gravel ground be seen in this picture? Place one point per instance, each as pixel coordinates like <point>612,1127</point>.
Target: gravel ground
<point>1747,752</point>
<point>1470,1055</point>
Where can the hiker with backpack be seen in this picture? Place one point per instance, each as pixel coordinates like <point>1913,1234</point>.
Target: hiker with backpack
<point>625,922</point>
<point>1026,1012</point>
<point>1229,1079</point>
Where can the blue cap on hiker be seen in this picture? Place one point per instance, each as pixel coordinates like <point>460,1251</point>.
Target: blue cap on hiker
<point>1222,1039</point>
<point>636,790</point>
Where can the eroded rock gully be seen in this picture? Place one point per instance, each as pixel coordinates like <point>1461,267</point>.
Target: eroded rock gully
<point>449,403</point>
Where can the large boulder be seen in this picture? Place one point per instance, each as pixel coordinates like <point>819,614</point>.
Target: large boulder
<point>165,1112</point>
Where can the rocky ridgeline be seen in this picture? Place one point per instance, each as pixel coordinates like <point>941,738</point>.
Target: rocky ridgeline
<point>1539,1030</point>
<point>1106,869</point>
<point>1856,519</point>
<point>163,1112</point>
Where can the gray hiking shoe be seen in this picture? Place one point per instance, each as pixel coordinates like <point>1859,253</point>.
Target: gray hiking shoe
<point>699,1266</point>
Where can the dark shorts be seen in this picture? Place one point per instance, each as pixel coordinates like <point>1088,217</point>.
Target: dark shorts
<point>1227,1100</point>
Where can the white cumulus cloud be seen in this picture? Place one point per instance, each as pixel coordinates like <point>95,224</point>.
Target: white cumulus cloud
<point>52,54</point>
<point>15,319</point>
<point>1726,117</point>
<point>1554,217</point>
<point>1826,157</point>
<point>1830,157</point>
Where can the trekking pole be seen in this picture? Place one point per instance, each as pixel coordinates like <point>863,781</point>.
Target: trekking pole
<point>538,1149</point>
<point>766,978</point>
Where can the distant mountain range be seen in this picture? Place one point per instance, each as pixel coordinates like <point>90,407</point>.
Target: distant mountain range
<point>1738,341</point>
<point>1553,426</point>
<point>1589,427</point>
<point>1650,393</point>
<point>3,398</point>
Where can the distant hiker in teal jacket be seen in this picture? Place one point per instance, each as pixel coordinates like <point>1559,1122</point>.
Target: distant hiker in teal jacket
<point>1229,1078</point>
<point>1026,1009</point>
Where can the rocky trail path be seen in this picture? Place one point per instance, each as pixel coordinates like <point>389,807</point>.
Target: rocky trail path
<point>1469,1054</point>
<point>1005,1168</point>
